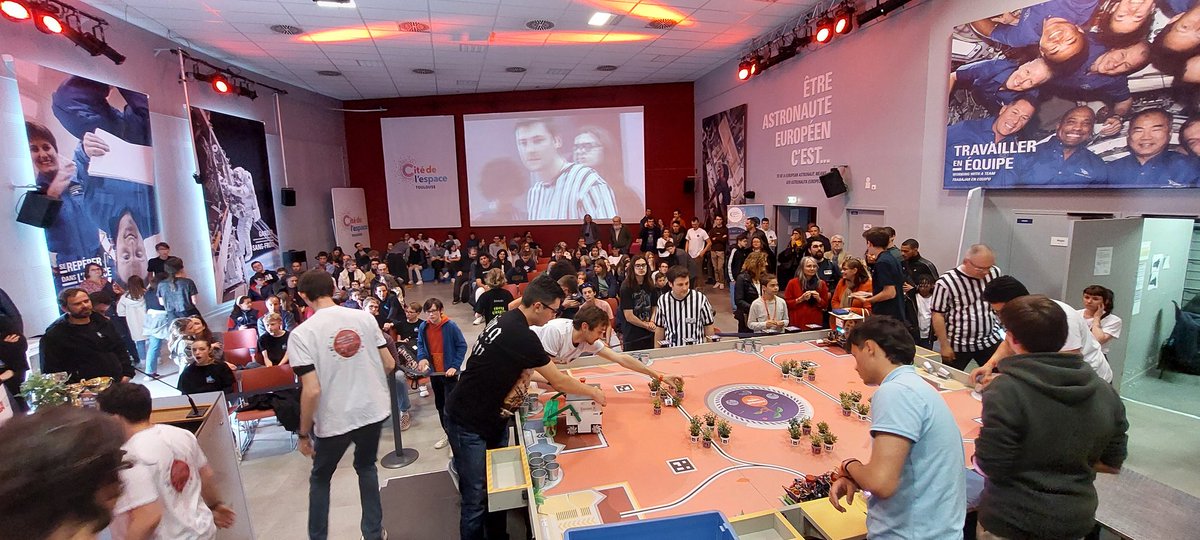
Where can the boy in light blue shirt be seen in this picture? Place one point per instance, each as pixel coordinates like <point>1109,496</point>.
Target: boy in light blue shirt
<point>916,474</point>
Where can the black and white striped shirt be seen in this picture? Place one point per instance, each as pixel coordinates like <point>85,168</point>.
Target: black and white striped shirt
<point>577,190</point>
<point>683,321</point>
<point>970,324</point>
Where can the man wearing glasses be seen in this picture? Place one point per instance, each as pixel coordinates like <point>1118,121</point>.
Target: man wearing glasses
<point>963,322</point>
<point>560,190</point>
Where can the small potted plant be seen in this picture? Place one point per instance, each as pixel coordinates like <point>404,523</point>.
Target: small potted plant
<point>812,374</point>
<point>816,444</point>
<point>723,431</point>
<point>822,428</point>
<point>710,419</point>
<point>785,367</point>
<point>855,396</point>
<point>678,389</point>
<point>657,406</point>
<point>844,396</point>
<point>794,433</point>
<point>829,440</point>
<point>847,407</point>
<point>694,430</point>
<point>708,438</point>
<point>806,426</point>
<point>655,385</point>
<point>863,410</point>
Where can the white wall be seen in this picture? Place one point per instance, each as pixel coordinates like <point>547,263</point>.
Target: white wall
<point>315,148</point>
<point>889,124</point>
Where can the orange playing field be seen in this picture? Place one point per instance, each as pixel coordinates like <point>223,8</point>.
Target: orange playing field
<point>644,466</point>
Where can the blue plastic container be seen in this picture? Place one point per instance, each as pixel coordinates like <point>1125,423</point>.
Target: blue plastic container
<point>699,526</point>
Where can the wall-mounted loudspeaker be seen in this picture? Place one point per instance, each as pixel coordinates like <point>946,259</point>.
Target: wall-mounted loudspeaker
<point>833,183</point>
<point>293,255</point>
<point>288,196</point>
<point>750,195</point>
<point>38,210</point>
<point>689,184</point>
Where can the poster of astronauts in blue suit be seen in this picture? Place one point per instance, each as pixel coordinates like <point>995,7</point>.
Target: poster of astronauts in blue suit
<point>1076,94</point>
<point>90,146</point>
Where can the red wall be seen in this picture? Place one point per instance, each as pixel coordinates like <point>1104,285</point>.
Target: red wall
<point>670,143</point>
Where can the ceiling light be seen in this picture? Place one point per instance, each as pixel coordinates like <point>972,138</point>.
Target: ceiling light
<point>743,71</point>
<point>45,18</point>
<point>413,26</point>
<point>220,84</point>
<point>600,18</point>
<point>14,11</point>
<point>515,69</point>
<point>329,73</point>
<point>844,21</point>
<point>662,24</point>
<point>335,3</point>
<point>539,24</point>
<point>824,30</point>
<point>423,71</point>
<point>606,67</point>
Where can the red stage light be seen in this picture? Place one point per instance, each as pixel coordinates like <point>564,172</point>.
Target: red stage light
<point>221,85</point>
<point>744,70</point>
<point>842,25</point>
<point>14,11</point>
<point>824,33</point>
<point>48,23</point>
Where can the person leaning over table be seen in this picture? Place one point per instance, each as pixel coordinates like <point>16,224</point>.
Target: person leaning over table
<point>915,472</point>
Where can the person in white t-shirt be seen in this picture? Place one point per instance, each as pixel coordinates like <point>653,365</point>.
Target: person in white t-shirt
<point>168,492</point>
<point>343,362</point>
<point>1097,311</point>
<point>1080,340</point>
<point>698,245</point>
<point>567,339</point>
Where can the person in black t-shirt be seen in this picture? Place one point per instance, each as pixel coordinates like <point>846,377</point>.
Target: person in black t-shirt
<point>155,265</point>
<point>204,374</point>
<point>494,301</point>
<point>887,279</point>
<point>638,298</point>
<point>491,387</point>
<point>84,343</point>
<point>273,344</point>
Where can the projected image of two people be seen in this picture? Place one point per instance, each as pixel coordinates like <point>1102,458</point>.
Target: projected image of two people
<point>557,169</point>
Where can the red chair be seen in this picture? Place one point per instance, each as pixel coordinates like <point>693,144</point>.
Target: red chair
<point>521,288</point>
<point>240,339</point>
<point>252,382</point>
<point>513,289</point>
<point>239,357</point>
<point>543,260</point>
<point>260,306</point>
<point>542,266</point>
<point>534,275</point>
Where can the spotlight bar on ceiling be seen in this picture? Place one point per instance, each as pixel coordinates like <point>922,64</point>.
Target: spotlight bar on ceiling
<point>223,80</point>
<point>819,27</point>
<point>53,17</point>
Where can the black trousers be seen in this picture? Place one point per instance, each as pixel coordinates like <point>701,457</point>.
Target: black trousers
<point>962,359</point>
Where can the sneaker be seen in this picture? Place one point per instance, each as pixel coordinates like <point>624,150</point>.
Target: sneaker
<point>405,421</point>
<point>424,391</point>
<point>419,282</point>
<point>441,443</point>
<point>478,320</point>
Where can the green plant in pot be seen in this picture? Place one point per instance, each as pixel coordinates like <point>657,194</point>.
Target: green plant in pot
<point>816,443</point>
<point>806,426</point>
<point>710,419</point>
<point>46,390</point>
<point>723,431</point>
<point>863,410</point>
<point>708,438</point>
<point>794,433</point>
<point>847,407</point>
<point>829,440</point>
<point>655,386</point>
<point>812,374</point>
<point>657,406</point>
<point>694,431</point>
<point>822,428</point>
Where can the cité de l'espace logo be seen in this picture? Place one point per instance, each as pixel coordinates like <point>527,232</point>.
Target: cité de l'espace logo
<point>422,176</point>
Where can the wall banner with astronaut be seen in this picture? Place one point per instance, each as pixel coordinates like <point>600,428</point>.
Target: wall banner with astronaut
<point>723,151</point>
<point>90,146</point>
<point>231,158</point>
<point>1076,94</point>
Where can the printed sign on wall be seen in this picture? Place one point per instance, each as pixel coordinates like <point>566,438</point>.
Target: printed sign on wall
<point>421,170</point>
<point>350,218</point>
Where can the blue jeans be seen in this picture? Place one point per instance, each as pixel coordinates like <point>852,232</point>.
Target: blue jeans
<point>328,452</point>
<point>402,402</point>
<point>153,350</point>
<point>470,460</point>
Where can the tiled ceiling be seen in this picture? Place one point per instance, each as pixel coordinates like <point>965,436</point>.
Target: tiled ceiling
<point>469,45</point>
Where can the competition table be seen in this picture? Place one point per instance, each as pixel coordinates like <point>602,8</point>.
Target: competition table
<point>644,466</point>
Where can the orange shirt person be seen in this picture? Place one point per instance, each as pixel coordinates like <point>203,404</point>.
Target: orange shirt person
<point>855,278</point>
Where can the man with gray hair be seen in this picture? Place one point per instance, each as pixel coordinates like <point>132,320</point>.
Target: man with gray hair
<point>838,254</point>
<point>963,322</point>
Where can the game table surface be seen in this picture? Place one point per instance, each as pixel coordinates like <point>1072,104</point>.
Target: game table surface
<point>644,466</point>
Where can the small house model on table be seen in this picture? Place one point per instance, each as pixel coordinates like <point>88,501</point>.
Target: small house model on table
<point>587,417</point>
<point>840,326</point>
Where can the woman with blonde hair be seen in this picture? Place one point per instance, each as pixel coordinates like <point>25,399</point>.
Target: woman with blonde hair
<point>748,287</point>
<point>855,278</point>
<point>807,296</point>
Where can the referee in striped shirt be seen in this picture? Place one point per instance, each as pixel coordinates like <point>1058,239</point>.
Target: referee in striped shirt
<point>561,190</point>
<point>963,322</point>
<point>684,316</point>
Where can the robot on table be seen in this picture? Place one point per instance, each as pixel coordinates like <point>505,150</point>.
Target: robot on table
<point>585,415</point>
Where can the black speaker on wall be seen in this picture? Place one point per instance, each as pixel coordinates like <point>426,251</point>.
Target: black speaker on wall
<point>287,196</point>
<point>38,210</point>
<point>293,255</point>
<point>750,195</point>
<point>689,184</point>
<point>833,183</point>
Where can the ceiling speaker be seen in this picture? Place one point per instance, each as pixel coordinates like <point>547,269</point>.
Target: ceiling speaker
<point>833,183</point>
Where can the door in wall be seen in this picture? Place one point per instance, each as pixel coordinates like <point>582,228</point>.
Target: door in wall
<point>1038,247</point>
<point>857,221</point>
<point>792,217</point>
